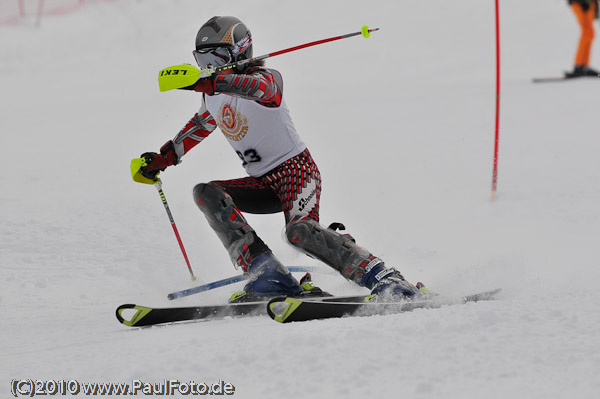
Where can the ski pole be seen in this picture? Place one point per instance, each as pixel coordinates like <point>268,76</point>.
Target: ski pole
<point>365,31</point>
<point>179,76</point>
<point>158,186</point>
<point>228,281</point>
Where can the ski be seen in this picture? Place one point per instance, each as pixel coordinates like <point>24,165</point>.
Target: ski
<point>558,79</point>
<point>228,281</point>
<point>285,310</point>
<point>551,79</point>
<point>143,316</point>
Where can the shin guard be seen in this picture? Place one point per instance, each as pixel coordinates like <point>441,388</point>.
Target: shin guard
<point>231,227</point>
<point>336,250</point>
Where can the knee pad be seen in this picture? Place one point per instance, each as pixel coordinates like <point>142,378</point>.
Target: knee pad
<point>215,203</point>
<point>227,221</point>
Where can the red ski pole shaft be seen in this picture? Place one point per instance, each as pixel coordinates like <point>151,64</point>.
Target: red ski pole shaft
<point>158,186</point>
<point>365,32</point>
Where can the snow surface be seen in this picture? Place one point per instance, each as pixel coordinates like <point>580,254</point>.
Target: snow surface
<point>402,127</point>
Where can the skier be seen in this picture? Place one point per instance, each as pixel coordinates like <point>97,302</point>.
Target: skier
<point>247,105</point>
<point>585,11</point>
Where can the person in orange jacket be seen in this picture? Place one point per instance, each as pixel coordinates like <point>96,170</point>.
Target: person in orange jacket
<point>586,11</point>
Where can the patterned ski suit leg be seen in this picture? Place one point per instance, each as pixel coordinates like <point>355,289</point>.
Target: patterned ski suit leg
<point>226,219</point>
<point>297,182</point>
<point>293,187</point>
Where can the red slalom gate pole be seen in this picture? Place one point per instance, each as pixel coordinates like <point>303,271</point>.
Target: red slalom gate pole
<point>497,125</point>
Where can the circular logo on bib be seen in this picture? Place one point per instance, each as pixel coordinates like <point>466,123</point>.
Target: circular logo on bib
<point>233,124</point>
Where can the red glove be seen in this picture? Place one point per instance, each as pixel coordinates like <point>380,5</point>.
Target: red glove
<point>158,162</point>
<point>206,85</point>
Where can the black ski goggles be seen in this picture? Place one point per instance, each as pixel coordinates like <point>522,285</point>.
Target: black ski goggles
<point>212,57</point>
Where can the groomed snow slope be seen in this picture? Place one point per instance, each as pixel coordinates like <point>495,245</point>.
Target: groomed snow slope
<point>402,127</point>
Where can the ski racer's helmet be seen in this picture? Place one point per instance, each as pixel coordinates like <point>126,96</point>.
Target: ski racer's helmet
<point>222,40</point>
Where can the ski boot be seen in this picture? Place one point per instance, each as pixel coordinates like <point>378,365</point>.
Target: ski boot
<point>580,71</point>
<point>270,278</point>
<point>388,285</point>
<point>591,72</point>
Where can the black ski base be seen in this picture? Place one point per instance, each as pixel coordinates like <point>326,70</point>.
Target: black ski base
<point>285,310</point>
